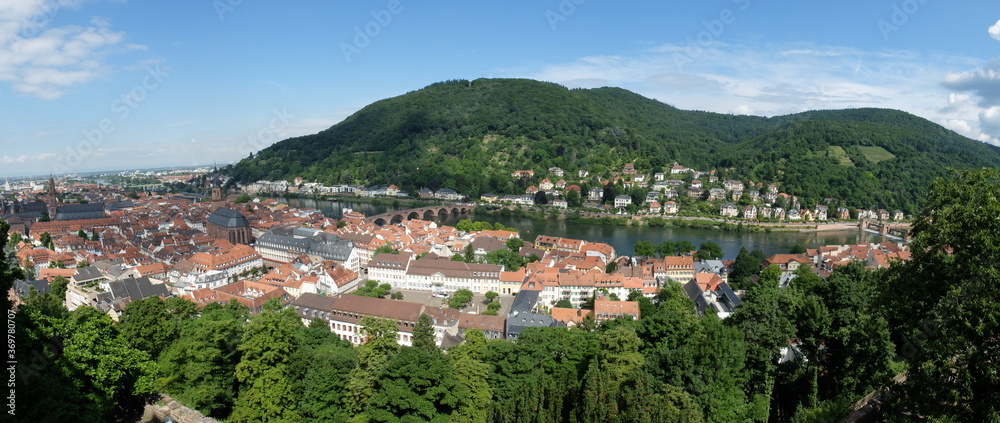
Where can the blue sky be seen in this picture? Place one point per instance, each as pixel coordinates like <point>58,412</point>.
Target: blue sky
<point>102,84</point>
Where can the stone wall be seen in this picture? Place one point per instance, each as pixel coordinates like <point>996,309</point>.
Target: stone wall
<point>159,411</point>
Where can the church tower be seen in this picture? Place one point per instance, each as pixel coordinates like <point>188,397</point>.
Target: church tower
<point>216,187</point>
<point>52,201</point>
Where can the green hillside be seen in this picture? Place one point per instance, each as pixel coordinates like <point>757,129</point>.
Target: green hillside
<point>470,136</point>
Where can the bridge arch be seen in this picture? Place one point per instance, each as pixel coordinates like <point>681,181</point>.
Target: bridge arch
<point>396,218</point>
<point>442,213</point>
<point>413,215</point>
<point>429,215</point>
<point>379,221</point>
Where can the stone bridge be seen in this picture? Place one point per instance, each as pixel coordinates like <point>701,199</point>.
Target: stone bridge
<point>896,230</point>
<point>425,213</point>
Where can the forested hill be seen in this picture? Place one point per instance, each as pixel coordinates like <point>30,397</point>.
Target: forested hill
<point>470,136</point>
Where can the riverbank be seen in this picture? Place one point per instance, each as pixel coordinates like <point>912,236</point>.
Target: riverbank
<point>623,232</point>
<point>379,204</point>
<point>695,222</point>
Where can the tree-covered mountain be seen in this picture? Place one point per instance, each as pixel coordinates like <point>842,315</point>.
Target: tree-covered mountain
<point>470,136</point>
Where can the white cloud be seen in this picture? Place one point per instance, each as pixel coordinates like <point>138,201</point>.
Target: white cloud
<point>772,80</point>
<point>43,61</point>
<point>768,80</point>
<point>959,125</point>
<point>983,82</point>
<point>957,102</point>
<point>989,119</point>
<point>995,30</point>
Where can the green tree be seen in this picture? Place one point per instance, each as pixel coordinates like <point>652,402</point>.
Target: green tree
<point>541,199</point>
<point>151,324</point>
<point>111,368</point>
<point>767,329</point>
<point>58,286</point>
<point>373,356</point>
<point>423,334</point>
<point>473,392</point>
<point>797,249</point>
<point>514,244</point>
<point>709,250</point>
<point>619,354</point>
<point>82,234</point>
<point>744,267</point>
<point>610,192</point>
<point>538,378</point>
<point>949,329</point>
<point>15,238</point>
<point>460,298</point>
<point>267,392</point>
<point>564,303</point>
<point>510,260</point>
<point>78,367</point>
<point>491,295</point>
<point>199,368</point>
<point>385,249</point>
<point>373,289</point>
<point>323,387</point>
<point>644,248</point>
<point>618,389</point>
<point>46,239</point>
<point>666,249</point>
<point>684,247</point>
<point>415,385</point>
<point>573,199</point>
<point>470,254</point>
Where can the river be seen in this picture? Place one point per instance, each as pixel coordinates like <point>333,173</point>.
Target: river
<point>623,238</point>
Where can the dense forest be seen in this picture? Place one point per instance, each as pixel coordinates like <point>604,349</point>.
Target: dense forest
<point>931,323</point>
<point>470,136</point>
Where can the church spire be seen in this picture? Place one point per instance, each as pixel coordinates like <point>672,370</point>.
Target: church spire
<point>53,200</point>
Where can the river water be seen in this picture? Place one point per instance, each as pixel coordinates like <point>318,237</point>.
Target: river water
<point>623,238</point>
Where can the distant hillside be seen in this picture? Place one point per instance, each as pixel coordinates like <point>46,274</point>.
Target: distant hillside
<point>470,136</point>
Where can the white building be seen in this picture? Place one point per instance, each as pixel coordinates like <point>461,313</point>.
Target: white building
<point>446,276</point>
<point>622,201</point>
<point>390,268</point>
<point>728,210</point>
<point>343,314</point>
